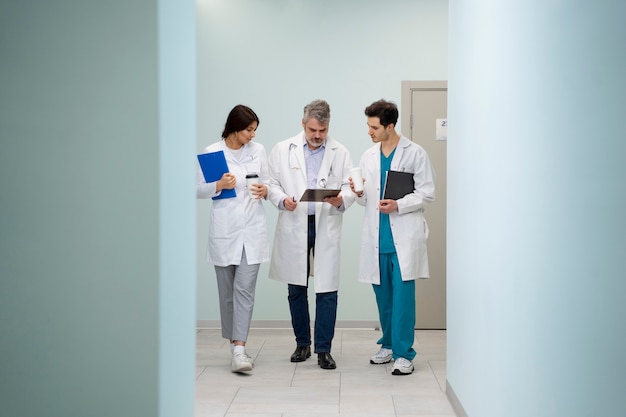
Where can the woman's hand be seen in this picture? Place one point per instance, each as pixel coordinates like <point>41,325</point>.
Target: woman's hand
<point>259,190</point>
<point>227,182</point>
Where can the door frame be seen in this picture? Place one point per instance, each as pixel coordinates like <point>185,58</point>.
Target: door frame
<point>430,294</point>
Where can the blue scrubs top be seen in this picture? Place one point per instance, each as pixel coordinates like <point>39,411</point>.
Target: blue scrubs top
<point>385,238</point>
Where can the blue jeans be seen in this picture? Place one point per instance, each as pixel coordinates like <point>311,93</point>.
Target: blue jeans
<point>325,317</point>
<point>325,308</point>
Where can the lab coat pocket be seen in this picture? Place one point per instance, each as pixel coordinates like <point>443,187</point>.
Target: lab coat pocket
<point>220,223</point>
<point>333,228</point>
<point>402,168</point>
<point>421,229</point>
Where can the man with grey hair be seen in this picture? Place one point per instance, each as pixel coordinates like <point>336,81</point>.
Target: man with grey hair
<point>307,240</point>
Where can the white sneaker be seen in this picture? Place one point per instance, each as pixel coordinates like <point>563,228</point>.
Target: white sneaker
<point>240,362</point>
<point>250,359</point>
<point>402,366</point>
<point>382,356</point>
<point>232,351</point>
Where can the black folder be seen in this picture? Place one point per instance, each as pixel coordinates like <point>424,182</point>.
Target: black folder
<point>318,194</point>
<point>398,184</point>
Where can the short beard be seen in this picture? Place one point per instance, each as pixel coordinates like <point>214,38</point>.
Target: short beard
<point>313,144</point>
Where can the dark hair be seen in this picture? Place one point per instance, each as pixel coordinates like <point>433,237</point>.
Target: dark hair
<point>386,111</point>
<point>238,119</point>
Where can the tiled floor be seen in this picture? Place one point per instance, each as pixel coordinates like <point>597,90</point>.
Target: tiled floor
<point>279,388</point>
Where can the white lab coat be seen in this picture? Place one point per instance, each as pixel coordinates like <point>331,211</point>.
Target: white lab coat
<point>288,179</point>
<point>408,225</point>
<point>239,222</point>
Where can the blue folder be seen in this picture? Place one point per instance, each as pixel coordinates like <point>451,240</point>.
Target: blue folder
<point>213,165</point>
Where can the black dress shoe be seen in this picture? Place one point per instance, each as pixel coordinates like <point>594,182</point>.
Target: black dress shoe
<point>301,354</point>
<point>325,361</point>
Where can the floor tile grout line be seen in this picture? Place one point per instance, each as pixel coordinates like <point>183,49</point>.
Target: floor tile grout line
<point>339,399</point>
<point>260,349</point>
<point>201,373</point>
<point>435,375</point>
<point>231,402</point>
<point>393,401</point>
<point>293,375</point>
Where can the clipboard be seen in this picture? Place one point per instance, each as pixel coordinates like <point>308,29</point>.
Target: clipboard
<point>398,184</point>
<point>213,165</point>
<point>318,194</point>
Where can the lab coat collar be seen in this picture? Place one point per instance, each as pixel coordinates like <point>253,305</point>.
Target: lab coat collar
<point>403,143</point>
<point>246,153</point>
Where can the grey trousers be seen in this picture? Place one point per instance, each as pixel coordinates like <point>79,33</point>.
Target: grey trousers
<point>236,285</point>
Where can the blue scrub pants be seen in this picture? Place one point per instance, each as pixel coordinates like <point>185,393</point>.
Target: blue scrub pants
<point>396,308</point>
<point>325,308</point>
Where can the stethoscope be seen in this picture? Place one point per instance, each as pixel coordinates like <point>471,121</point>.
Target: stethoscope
<point>293,146</point>
<point>322,182</point>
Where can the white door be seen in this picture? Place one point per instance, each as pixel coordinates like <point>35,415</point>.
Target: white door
<point>423,104</point>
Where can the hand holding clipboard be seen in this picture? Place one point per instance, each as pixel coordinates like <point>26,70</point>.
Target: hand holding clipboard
<point>397,185</point>
<point>214,166</point>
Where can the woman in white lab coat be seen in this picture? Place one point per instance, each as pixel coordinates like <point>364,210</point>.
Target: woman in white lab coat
<point>238,240</point>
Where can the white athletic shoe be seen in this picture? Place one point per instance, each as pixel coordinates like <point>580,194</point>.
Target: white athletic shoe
<point>232,351</point>
<point>402,366</point>
<point>241,363</point>
<point>382,356</point>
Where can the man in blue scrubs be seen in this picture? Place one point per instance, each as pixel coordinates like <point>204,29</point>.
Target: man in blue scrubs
<point>393,245</point>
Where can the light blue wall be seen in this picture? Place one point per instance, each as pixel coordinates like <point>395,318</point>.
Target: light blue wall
<point>536,197</point>
<point>94,280</point>
<point>276,56</point>
<point>177,284</point>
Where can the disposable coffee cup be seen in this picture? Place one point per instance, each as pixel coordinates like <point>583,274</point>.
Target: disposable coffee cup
<point>252,179</point>
<point>357,179</point>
